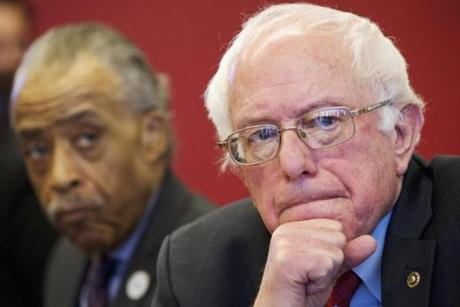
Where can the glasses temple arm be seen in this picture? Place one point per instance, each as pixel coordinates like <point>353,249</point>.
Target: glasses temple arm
<point>371,107</point>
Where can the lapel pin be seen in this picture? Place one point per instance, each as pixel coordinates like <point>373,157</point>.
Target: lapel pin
<point>137,285</point>
<point>413,279</point>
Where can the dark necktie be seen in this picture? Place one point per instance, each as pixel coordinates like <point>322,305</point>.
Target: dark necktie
<point>343,290</point>
<point>98,280</point>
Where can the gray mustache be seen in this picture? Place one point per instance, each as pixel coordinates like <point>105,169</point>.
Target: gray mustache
<point>71,201</point>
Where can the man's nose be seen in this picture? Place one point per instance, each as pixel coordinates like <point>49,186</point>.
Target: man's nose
<point>295,156</point>
<point>64,175</point>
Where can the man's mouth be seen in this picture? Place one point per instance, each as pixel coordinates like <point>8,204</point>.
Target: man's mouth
<point>310,199</point>
<point>317,207</point>
<point>75,214</point>
<point>73,209</point>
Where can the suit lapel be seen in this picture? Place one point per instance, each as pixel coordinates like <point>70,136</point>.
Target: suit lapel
<point>407,260</point>
<point>65,291</point>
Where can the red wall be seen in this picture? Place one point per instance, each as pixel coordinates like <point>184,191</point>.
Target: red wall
<point>185,39</point>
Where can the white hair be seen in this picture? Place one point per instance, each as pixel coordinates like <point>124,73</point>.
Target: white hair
<point>374,57</point>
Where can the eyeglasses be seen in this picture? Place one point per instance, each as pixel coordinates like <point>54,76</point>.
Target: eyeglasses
<point>319,129</point>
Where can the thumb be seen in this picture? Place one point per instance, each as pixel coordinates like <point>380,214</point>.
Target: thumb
<point>359,249</point>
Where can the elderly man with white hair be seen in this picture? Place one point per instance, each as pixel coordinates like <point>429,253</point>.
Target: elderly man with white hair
<point>314,110</point>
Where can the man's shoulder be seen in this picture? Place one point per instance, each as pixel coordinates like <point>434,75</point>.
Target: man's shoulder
<point>176,206</point>
<point>446,172</point>
<point>235,227</point>
<point>445,166</point>
<point>241,209</point>
<point>226,248</point>
<point>238,219</point>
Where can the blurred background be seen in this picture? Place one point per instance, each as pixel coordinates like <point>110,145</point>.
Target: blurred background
<point>186,38</point>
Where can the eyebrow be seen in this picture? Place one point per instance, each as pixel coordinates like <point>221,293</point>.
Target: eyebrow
<point>79,116</point>
<point>32,133</point>
<point>84,115</point>
<point>322,103</point>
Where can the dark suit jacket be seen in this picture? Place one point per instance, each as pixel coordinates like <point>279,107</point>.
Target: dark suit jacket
<point>25,234</point>
<point>176,206</point>
<point>219,259</point>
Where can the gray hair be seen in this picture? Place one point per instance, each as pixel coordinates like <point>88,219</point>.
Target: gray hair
<point>374,56</point>
<point>141,89</point>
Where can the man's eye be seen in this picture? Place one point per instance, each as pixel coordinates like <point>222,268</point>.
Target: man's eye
<point>322,122</point>
<point>36,151</point>
<point>263,134</point>
<point>86,139</point>
<point>326,122</point>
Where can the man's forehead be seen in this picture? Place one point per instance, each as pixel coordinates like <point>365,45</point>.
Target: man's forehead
<point>69,111</point>
<point>304,50</point>
<point>62,76</point>
<point>293,75</point>
<point>85,77</point>
<point>42,104</point>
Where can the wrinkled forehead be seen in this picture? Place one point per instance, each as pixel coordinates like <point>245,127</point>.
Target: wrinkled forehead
<point>269,50</point>
<point>54,82</point>
<point>47,93</point>
<point>320,65</point>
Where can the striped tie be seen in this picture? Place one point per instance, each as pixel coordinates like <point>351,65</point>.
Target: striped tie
<point>99,275</point>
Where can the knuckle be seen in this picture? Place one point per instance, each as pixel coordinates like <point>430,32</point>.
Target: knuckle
<point>326,264</point>
<point>339,256</point>
<point>281,256</point>
<point>282,230</point>
<point>341,239</point>
<point>337,225</point>
<point>322,270</point>
<point>280,250</point>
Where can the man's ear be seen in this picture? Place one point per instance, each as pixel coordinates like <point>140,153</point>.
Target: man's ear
<point>407,130</point>
<point>155,135</point>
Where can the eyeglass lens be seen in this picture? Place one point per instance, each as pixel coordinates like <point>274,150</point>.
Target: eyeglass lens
<point>323,128</point>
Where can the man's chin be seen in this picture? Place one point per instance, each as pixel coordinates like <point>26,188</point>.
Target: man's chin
<point>92,243</point>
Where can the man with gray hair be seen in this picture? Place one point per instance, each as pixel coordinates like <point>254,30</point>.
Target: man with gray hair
<point>314,110</point>
<point>93,124</point>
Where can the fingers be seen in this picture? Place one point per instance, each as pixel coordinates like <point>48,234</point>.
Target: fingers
<point>304,259</point>
<point>311,232</point>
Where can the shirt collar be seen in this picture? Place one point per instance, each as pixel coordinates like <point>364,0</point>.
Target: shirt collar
<point>370,270</point>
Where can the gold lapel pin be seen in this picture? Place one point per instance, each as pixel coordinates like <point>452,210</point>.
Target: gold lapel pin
<point>413,279</point>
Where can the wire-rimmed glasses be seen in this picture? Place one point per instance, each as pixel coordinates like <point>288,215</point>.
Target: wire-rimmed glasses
<point>318,129</point>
